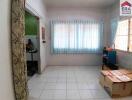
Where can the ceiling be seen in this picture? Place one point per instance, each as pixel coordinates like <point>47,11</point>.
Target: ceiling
<point>80,3</point>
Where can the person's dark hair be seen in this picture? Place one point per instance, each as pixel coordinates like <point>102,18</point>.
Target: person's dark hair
<point>29,45</point>
<point>29,41</point>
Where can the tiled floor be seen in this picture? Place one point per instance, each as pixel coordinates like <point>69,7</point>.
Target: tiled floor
<point>68,83</point>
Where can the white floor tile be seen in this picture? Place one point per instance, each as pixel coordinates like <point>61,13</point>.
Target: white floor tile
<point>68,83</point>
<point>85,94</point>
<point>47,95</point>
<point>61,80</point>
<point>52,80</point>
<point>73,95</point>
<point>36,85</point>
<point>72,86</point>
<point>61,86</point>
<point>50,86</point>
<point>83,86</point>
<point>70,80</point>
<point>35,93</point>
<point>94,86</point>
<point>59,95</point>
<point>99,94</point>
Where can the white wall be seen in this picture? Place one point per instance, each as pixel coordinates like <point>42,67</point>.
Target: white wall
<point>6,84</point>
<point>38,8</point>
<point>42,49</point>
<point>124,59</point>
<point>75,13</point>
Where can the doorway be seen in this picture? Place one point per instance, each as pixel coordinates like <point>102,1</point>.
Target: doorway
<point>32,43</point>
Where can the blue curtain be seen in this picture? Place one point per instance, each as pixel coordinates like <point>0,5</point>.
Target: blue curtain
<point>114,26</point>
<point>76,36</point>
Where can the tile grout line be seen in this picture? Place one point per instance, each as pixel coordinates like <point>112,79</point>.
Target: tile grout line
<point>43,88</point>
<point>77,85</point>
<point>66,83</point>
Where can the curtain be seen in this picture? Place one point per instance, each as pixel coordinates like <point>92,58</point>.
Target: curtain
<point>76,36</point>
<point>114,26</point>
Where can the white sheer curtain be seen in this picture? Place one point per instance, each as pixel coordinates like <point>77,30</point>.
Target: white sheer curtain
<point>76,36</point>
<point>114,26</point>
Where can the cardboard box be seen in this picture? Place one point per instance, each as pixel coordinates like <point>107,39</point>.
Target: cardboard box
<point>130,76</point>
<point>117,83</point>
<point>125,71</point>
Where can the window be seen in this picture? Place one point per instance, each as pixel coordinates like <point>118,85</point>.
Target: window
<point>76,37</point>
<point>123,40</point>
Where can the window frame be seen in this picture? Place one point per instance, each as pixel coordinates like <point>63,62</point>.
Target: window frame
<point>129,33</point>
